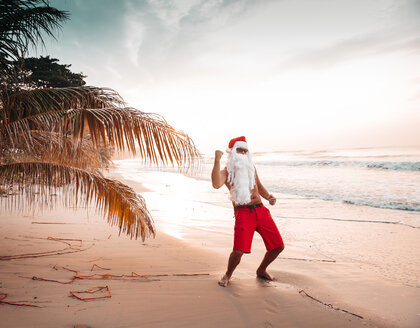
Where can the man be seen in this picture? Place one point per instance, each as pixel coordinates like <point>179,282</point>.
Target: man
<point>241,178</point>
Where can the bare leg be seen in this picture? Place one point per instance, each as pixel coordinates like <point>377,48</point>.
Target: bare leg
<point>269,257</point>
<point>234,260</point>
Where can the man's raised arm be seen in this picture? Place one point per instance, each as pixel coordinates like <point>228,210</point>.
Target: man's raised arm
<point>218,177</point>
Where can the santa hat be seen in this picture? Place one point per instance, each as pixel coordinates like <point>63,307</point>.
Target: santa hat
<point>239,142</point>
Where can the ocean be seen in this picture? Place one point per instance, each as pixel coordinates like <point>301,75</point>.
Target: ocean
<point>378,177</point>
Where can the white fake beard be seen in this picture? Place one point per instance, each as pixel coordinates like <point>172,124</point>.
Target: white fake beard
<point>241,177</point>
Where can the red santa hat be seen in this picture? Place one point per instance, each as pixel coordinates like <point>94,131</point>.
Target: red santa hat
<point>239,142</point>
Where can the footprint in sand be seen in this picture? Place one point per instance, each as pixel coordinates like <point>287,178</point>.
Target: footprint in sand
<point>271,306</point>
<point>267,324</point>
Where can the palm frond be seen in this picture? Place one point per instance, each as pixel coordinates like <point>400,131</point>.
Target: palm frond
<point>125,128</point>
<point>22,23</point>
<point>31,102</point>
<point>118,202</point>
<point>119,128</point>
<point>56,148</point>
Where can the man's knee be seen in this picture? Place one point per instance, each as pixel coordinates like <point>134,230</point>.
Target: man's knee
<point>237,253</point>
<point>279,249</point>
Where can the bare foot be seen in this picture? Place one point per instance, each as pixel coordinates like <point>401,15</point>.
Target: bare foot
<point>224,281</point>
<point>264,275</point>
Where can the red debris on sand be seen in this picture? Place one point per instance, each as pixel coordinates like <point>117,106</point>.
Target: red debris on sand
<point>55,267</point>
<point>108,276</point>
<point>92,290</point>
<point>95,265</point>
<point>96,276</point>
<point>18,303</point>
<point>53,280</point>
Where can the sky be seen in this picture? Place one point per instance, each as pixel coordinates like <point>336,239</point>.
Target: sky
<point>287,74</point>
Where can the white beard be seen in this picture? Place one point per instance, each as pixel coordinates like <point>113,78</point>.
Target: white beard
<point>241,177</point>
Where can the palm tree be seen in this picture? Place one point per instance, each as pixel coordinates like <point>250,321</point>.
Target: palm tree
<point>53,139</point>
<point>22,23</point>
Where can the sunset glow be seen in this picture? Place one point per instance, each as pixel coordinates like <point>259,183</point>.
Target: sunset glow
<point>339,74</point>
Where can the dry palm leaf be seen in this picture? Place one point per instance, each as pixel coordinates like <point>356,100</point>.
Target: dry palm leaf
<point>54,148</point>
<point>26,103</point>
<point>122,128</point>
<point>121,205</point>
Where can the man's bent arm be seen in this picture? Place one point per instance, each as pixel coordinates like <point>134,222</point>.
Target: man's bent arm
<point>218,177</point>
<point>261,189</point>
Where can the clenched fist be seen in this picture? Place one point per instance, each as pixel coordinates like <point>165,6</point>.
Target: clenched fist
<point>218,155</point>
<point>272,200</point>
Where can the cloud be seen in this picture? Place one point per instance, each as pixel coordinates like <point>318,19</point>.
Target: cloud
<point>161,34</point>
<point>159,42</point>
<point>395,28</point>
<point>216,13</point>
<point>351,48</point>
<point>409,44</point>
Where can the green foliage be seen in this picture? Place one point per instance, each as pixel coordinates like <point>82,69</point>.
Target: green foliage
<point>47,72</point>
<point>22,24</point>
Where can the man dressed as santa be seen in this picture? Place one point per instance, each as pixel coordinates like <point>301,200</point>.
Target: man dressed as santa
<point>246,190</point>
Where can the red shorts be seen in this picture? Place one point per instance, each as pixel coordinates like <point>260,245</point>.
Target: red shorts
<point>258,219</point>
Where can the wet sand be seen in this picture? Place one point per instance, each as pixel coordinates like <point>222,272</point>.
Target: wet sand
<point>367,272</point>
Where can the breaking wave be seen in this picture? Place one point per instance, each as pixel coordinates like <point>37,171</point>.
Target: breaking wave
<point>388,204</point>
<point>395,166</point>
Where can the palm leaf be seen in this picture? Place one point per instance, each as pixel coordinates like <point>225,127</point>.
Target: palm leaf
<point>31,102</point>
<point>56,148</point>
<point>46,146</point>
<point>22,23</point>
<point>118,202</point>
<point>119,128</point>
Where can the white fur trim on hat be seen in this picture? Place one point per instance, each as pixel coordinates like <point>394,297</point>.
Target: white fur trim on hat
<point>240,144</point>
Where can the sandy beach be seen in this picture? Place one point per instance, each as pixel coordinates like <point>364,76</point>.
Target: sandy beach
<point>341,267</point>
<point>198,108</point>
